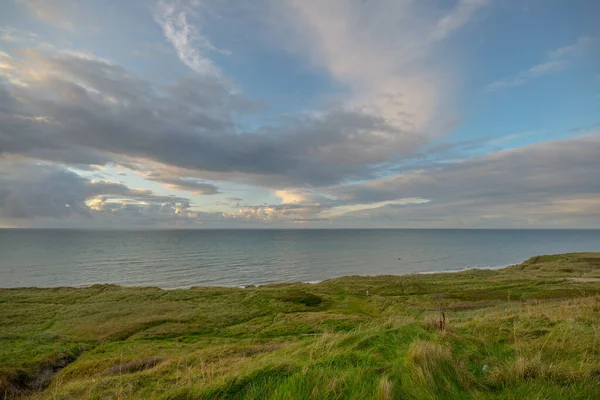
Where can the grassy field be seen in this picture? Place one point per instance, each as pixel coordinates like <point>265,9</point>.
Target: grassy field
<point>528,331</point>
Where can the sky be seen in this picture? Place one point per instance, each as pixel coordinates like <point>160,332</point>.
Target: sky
<point>156,114</point>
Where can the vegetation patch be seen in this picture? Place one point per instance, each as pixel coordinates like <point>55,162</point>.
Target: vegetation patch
<point>528,331</point>
<point>132,366</point>
<point>21,382</point>
<point>301,297</point>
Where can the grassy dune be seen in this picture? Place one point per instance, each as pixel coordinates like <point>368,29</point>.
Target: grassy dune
<point>528,331</point>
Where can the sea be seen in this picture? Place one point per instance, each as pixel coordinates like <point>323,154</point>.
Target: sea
<point>185,258</point>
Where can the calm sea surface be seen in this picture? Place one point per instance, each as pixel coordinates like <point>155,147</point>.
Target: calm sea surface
<point>171,259</point>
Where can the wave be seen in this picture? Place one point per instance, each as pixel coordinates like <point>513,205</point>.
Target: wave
<point>449,271</point>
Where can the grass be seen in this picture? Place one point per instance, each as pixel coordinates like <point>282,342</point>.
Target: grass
<point>527,331</point>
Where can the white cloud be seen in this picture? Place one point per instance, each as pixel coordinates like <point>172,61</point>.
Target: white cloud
<point>191,46</point>
<point>50,11</point>
<point>546,68</point>
<point>584,45</point>
<point>338,211</point>
<point>459,16</point>
<point>384,53</point>
<point>292,196</point>
<point>557,60</point>
<point>537,71</point>
<point>13,35</point>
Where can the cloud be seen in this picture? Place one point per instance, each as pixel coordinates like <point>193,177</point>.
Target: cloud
<point>557,60</point>
<point>549,184</point>
<point>543,185</point>
<point>293,196</point>
<point>534,72</point>
<point>192,185</point>
<point>80,110</point>
<point>49,191</point>
<point>277,214</point>
<point>50,11</point>
<point>583,46</point>
<point>337,211</point>
<point>462,13</point>
<point>13,35</point>
<point>188,42</point>
<point>368,157</point>
<point>84,111</point>
<point>523,185</point>
<point>385,55</point>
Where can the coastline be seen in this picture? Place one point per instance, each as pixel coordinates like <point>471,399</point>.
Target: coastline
<point>232,258</point>
<point>251,285</point>
<point>530,328</point>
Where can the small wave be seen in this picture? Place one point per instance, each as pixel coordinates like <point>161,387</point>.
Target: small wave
<point>273,283</point>
<point>450,271</point>
<point>428,260</point>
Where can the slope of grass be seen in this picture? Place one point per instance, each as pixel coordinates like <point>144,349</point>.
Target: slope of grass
<point>528,331</point>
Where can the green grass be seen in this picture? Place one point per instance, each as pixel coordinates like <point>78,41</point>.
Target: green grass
<point>528,331</point>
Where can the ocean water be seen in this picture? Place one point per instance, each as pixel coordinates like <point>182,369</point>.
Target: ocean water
<point>184,258</point>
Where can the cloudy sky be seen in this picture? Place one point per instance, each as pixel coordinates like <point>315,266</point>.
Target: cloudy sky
<point>300,113</point>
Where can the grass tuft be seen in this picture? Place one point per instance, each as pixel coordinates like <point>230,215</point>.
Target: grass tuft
<point>301,297</point>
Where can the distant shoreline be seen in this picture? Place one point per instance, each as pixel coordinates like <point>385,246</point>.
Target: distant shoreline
<point>187,258</point>
<point>315,282</point>
<point>471,333</point>
<point>262,228</point>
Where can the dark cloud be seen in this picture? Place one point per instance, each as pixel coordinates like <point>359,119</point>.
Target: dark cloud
<point>86,110</point>
<point>50,191</point>
<point>549,184</point>
<point>197,187</point>
<point>559,168</point>
<point>551,180</point>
